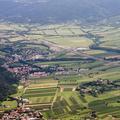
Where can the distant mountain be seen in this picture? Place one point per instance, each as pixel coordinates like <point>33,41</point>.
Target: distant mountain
<point>45,11</point>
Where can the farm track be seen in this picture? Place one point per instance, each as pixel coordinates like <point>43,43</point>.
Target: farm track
<point>50,85</point>
<point>55,97</point>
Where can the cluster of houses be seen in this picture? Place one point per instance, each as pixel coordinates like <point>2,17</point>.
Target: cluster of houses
<point>26,71</point>
<point>22,114</point>
<point>32,72</point>
<point>112,57</point>
<point>38,74</point>
<point>20,70</point>
<point>69,71</point>
<point>32,53</point>
<point>12,58</point>
<point>93,89</point>
<point>17,53</point>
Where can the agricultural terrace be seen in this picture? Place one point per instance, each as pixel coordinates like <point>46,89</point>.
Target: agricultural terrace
<point>69,103</point>
<point>40,93</point>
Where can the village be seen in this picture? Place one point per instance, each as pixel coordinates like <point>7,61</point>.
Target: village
<point>60,74</point>
<point>97,87</point>
<point>22,64</point>
<point>22,114</point>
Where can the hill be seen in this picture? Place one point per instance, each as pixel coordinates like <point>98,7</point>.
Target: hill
<point>7,84</point>
<point>54,11</point>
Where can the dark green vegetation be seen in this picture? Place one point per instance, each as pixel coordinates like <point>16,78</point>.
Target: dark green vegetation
<point>100,86</point>
<point>8,84</point>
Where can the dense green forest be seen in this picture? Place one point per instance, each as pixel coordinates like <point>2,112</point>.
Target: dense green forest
<point>8,83</point>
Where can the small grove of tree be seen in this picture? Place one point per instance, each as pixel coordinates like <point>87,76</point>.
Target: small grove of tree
<point>8,83</point>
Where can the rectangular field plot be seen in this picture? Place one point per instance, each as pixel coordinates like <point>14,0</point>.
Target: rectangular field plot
<point>72,41</point>
<point>40,95</point>
<point>40,90</point>
<point>64,31</point>
<point>50,32</point>
<point>45,99</point>
<point>43,81</point>
<point>77,31</point>
<point>35,32</point>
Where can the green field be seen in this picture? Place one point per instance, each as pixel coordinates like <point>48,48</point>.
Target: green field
<point>71,55</point>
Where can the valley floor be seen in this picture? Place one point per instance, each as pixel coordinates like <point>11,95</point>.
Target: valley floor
<point>54,61</point>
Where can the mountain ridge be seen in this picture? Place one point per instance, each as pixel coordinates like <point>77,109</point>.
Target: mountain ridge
<point>52,11</point>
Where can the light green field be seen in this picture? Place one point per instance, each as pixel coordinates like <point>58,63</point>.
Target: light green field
<point>94,52</point>
<point>41,33</point>
<point>72,42</point>
<point>111,36</point>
